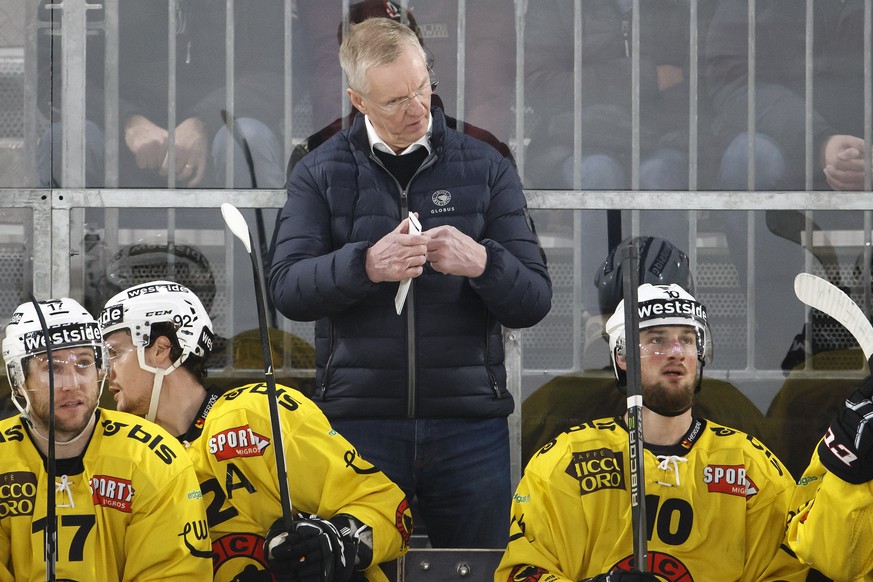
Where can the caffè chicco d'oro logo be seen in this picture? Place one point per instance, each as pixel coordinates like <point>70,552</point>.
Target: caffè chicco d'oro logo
<point>597,469</point>
<point>441,197</point>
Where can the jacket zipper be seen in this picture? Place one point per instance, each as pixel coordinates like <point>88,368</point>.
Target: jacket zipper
<point>491,378</point>
<point>411,392</point>
<point>410,322</point>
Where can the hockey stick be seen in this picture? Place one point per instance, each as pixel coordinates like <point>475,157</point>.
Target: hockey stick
<point>831,300</point>
<point>51,520</point>
<point>631,265</point>
<point>238,226</point>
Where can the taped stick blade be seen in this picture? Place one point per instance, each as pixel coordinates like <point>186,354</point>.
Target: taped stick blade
<point>235,221</point>
<point>821,294</point>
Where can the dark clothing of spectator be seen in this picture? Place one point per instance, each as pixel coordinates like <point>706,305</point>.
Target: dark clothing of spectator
<point>200,90</point>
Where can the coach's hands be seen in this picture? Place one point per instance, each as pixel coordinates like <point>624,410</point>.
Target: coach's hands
<point>847,447</point>
<point>397,256</point>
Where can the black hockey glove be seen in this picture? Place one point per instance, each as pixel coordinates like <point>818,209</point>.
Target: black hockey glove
<point>315,550</point>
<point>624,576</point>
<point>847,447</point>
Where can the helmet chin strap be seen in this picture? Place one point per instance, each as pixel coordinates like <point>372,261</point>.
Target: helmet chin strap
<point>159,379</point>
<point>22,409</point>
<point>86,430</point>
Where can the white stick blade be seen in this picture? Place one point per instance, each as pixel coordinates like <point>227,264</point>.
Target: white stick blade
<point>234,220</point>
<point>821,294</point>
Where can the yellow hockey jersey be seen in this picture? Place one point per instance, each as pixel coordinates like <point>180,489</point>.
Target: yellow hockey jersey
<point>832,526</point>
<point>233,450</point>
<point>129,508</point>
<point>716,507</point>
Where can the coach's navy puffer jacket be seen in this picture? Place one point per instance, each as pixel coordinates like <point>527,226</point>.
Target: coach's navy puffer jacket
<point>443,356</point>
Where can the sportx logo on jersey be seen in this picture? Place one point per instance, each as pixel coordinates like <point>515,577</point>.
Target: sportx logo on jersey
<point>240,441</point>
<point>597,469</point>
<point>113,492</point>
<point>17,493</point>
<point>730,479</point>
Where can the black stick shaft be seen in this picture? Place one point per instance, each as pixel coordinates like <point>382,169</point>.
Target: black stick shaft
<point>51,520</point>
<point>630,267</point>
<point>278,441</point>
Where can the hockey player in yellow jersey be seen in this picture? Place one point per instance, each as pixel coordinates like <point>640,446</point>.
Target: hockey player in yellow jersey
<point>832,526</point>
<point>352,516</point>
<point>716,499</point>
<point>127,502</point>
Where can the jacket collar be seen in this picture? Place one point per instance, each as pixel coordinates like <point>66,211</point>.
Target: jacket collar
<point>359,139</point>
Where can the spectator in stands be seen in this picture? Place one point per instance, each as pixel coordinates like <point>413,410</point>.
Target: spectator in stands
<point>780,161</point>
<point>780,102</point>
<point>420,387</point>
<point>603,102</point>
<point>488,49</point>
<point>606,94</point>
<point>201,117</point>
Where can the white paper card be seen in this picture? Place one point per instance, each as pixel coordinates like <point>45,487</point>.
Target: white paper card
<point>403,289</point>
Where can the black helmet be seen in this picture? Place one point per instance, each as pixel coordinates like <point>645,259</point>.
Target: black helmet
<point>143,262</point>
<point>661,263</point>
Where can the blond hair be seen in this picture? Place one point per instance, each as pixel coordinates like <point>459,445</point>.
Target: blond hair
<point>373,43</point>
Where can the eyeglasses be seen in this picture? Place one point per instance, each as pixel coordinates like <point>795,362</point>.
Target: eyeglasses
<point>402,103</point>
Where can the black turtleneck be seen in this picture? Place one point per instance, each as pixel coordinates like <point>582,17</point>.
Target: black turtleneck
<point>402,167</point>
